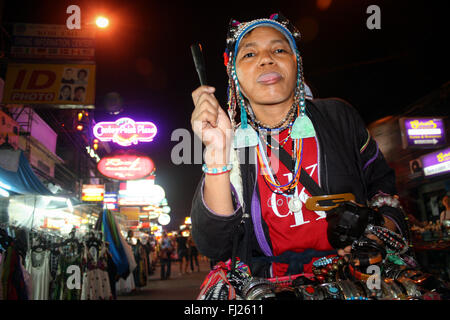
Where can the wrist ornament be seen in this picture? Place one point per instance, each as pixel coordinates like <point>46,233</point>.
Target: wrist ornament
<point>217,171</point>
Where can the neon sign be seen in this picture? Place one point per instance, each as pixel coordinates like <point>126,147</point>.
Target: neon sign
<point>125,131</point>
<point>126,167</point>
<point>436,163</point>
<point>422,132</point>
<point>92,192</point>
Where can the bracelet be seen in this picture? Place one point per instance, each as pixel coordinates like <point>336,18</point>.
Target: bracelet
<point>394,290</point>
<point>324,261</point>
<point>382,199</point>
<point>350,291</point>
<point>390,238</point>
<point>325,269</point>
<point>366,244</point>
<point>410,287</point>
<point>387,293</point>
<point>216,171</point>
<point>357,274</point>
<point>309,292</point>
<point>331,291</point>
<point>365,259</point>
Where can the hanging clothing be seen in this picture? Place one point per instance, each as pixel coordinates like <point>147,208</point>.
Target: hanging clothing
<point>61,290</point>
<point>140,273</point>
<point>112,274</point>
<point>116,242</point>
<point>12,278</point>
<point>96,284</point>
<point>27,279</point>
<point>125,286</point>
<point>55,283</point>
<point>38,265</point>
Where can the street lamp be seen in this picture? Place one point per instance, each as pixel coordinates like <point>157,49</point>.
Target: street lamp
<point>102,22</point>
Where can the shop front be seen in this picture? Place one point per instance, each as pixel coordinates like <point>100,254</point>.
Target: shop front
<point>415,144</point>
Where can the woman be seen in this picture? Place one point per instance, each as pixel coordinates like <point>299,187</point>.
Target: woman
<point>250,198</point>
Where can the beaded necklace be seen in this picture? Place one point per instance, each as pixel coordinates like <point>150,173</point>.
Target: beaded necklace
<point>287,118</point>
<point>281,143</point>
<point>271,178</point>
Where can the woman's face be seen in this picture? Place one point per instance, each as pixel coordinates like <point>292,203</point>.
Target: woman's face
<point>266,67</point>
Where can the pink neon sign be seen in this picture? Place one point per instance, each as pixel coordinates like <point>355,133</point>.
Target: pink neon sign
<point>125,131</point>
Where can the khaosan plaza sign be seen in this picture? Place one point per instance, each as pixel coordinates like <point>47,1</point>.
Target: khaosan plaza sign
<point>436,163</point>
<point>423,132</point>
<point>125,131</point>
<point>126,167</point>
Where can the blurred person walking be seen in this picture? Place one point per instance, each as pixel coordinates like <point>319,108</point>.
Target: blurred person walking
<point>182,250</point>
<point>166,249</point>
<point>193,254</point>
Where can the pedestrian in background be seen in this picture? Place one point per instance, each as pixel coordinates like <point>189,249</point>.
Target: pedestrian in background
<point>166,249</point>
<point>182,250</point>
<point>193,254</point>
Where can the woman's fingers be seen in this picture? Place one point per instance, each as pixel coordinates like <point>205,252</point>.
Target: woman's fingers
<point>201,90</point>
<point>206,106</point>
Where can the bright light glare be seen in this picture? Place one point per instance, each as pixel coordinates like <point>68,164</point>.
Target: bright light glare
<point>5,186</point>
<point>4,193</point>
<point>69,205</point>
<point>102,22</point>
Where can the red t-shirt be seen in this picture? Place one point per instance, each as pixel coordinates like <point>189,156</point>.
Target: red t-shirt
<point>293,231</point>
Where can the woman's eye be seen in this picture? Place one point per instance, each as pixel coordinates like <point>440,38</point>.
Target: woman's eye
<point>280,50</point>
<point>248,55</point>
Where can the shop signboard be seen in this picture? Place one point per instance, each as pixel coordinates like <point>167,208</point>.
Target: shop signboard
<point>60,84</point>
<point>125,131</point>
<point>422,132</point>
<point>110,201</point>
<point>52,42</point>
<point>436,163</point>
<point>92,192</point>
<point>126,167</point>
<point>110,198</point>
<point>140,193</point>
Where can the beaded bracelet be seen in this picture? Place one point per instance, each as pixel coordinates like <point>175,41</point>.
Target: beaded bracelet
<point>216,171</point>
<point>390,238</point>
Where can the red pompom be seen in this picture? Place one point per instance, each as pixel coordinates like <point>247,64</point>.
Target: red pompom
<point>225,59</point>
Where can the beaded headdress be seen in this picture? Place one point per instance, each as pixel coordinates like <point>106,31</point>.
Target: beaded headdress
<point>235,34</point>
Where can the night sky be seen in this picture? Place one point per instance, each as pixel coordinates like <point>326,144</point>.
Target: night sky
<point>144,56</point>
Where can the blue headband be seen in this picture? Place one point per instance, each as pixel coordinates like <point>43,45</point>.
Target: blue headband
<point>249,26</point>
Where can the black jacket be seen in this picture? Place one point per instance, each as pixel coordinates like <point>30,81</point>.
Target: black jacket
<point>349,161</point>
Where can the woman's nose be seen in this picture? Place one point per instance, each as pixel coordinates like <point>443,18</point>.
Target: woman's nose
<point>266,58</point>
